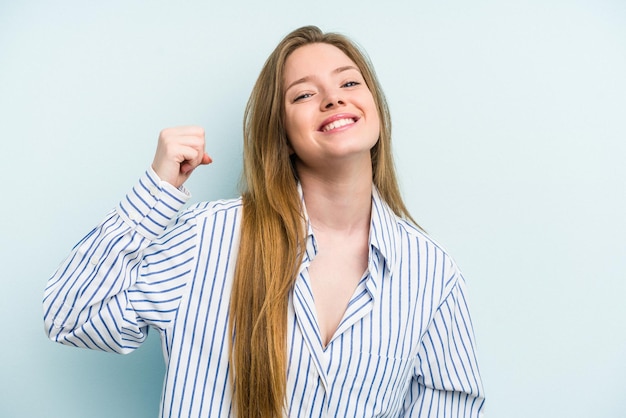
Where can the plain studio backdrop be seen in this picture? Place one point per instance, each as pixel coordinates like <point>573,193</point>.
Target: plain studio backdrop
<point>510,137</point>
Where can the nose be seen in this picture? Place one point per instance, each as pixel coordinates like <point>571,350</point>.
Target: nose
<point>332,101</point>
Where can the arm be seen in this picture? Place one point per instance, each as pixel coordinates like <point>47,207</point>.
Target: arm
<point>86,301</point>
<point>447,382</point>
<point>95,298</point>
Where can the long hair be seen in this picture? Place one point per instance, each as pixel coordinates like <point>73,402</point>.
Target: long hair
<point>273,228</point>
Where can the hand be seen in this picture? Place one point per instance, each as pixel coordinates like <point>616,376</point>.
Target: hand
<point>179,151</point>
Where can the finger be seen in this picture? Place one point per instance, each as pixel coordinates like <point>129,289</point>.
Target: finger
<point>180,150</point>
<point>190,130</point>
<point>189,158</point>
<point>190,147</point>
<point>186,167</point>
<point>206,159</point>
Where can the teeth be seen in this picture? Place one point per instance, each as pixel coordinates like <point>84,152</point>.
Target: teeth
<point>337,124</point>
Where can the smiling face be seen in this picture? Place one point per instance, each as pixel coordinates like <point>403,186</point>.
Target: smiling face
<point>330,113</point>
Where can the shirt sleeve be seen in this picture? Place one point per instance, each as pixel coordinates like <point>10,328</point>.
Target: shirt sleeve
<point>446,380</point>
<point>103,295</point>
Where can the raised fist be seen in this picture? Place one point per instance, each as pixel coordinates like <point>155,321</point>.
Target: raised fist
<point>179,151</point>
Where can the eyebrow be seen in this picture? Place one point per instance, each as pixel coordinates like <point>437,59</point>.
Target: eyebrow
<point>335,71</point>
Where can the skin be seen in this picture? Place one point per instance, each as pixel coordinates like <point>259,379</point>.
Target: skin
<point>323,84</point>
<point>333,163</point>
<point>179,151</point>
<point>335,170</point>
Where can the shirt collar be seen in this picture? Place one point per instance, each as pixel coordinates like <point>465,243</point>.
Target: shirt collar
<point>383,229</point>
<point>311,244</point>
<point>384,233</point>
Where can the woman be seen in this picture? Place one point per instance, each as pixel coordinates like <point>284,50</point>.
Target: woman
<point>314,294</point>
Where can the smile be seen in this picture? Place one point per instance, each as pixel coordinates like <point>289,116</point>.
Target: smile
<point>337,124</point>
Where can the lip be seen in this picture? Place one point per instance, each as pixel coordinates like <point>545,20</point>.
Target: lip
<point>338,116</point>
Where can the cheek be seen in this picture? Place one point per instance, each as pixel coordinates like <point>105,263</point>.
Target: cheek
<point>296,125</point>
<point>290,130</point>
<point>290,123</point>
<point>375,121</point>
<point>372,109</point>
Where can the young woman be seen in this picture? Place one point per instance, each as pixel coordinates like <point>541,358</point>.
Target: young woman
<point>314,294</point>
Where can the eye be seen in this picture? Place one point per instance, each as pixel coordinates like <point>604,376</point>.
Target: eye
<point>302,97</point>
<point>351,84</point>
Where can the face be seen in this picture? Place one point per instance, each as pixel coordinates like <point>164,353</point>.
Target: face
<point>330,113</point>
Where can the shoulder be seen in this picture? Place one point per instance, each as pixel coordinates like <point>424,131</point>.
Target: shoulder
<point>190,219</point>
<point>423,241</point>
<point>401,241</point>
<point>389,226</point>
<point>208,210</point>
<point>426,255</point>
<point>415,233</point>
<point>203,209</point>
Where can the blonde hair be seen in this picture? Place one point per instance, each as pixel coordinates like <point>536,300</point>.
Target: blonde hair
<point>272,229</point>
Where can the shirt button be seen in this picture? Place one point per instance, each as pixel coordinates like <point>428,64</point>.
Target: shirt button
<point>94,260</point>
<point>154,191</point>
<point>133,216</point>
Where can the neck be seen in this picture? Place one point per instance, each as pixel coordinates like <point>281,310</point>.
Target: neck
<point>340,202</point>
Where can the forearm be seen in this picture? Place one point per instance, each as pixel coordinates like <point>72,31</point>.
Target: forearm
<point>85,302</point>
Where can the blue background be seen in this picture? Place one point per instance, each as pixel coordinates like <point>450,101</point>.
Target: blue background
<point>510,136</point>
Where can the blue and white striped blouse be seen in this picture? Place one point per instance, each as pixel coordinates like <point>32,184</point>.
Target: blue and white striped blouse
<point>405,346</point>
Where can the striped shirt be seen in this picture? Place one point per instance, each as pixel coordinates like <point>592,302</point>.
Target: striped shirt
<point>405,346</point>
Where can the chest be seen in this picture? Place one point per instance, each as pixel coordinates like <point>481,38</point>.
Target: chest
<point>334,275</point>
<point>364,369</point>
<point>368,363</point>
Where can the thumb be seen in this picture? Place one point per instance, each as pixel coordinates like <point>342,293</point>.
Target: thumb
<point>206,159</point>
